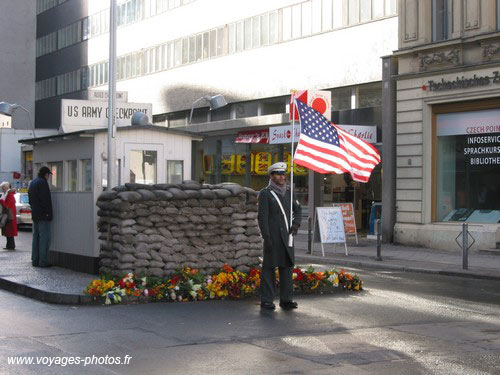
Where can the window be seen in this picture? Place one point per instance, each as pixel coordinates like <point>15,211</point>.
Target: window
<point>86,174</point>
<point>192,49</point>
<point>231,38</point>
<point>326,13</point>
<point>213,43</point>
<point>286,15</point>
<point>365,10</point>
<point>221,42</point>
<point>199,47</point>
<point>306,19</point>
<point>378,8</point>
<point>175,171</point>
<point>390,7</point>
<point>56,178</point>
<point>248,33</point>
<point>256,32</point>
<point>185,50</point>
<point>206,45</point>
<point>239,37</point>
<point>264,30</point>
<point>143,166</point>
<point>467,167</point>
<point>338,14</point>
<point>177,53</point>
<point>296,21</point>
<point>316,16</point>
<point>441,19</point>
<point>353,12</point>
<point>72,175</point>
<point>273,27</point>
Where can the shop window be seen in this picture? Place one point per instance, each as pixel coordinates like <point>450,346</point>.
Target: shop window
<point>72,175</point>
<point>86,174</point>
<point>175,171</point>
<point>56,178</point>
<point>468,167</point>
<point>143,165</point>
<point>442,11</point>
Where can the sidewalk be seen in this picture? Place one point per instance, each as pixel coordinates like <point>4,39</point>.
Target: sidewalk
<point>401,258</point>
<point>62,286</point>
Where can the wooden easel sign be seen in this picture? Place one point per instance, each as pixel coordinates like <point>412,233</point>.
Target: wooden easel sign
<point>349,219</point>
<point>328,221</point>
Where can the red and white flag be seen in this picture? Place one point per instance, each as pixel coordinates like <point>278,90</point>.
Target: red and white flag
<point>325,148</point>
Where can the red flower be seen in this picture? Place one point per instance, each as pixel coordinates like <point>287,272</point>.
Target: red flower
<point>174,280</point>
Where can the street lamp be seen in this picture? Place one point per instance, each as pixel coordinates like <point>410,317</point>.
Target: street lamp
<point>8,109</point>
<point>215,101</point>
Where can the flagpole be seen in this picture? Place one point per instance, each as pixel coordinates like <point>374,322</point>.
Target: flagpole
<point>290,240</point>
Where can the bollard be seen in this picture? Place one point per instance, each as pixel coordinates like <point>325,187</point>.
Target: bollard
<point>309,235</point>
<point>465,246</point>
<point>379,240</point>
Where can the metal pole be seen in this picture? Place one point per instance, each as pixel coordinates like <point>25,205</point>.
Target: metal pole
<point>465,246</point>
<point>379,240</point>
<point>309,235</point>
<point>290,238</point>
<point>111,95</point>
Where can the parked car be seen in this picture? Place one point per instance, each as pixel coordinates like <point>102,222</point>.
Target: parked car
<point>23,209</point>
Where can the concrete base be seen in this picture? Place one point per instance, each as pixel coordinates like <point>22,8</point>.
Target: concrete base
<point>442,235</point>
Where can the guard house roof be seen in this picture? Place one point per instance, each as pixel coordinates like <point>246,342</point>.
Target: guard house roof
<point>91,132</point>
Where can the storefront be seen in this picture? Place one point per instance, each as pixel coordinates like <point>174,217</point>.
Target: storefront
<point>449,159</point>
<point>222,157</point>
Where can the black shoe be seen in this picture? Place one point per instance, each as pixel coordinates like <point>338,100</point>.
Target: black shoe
<point>289,305</point>
<point>267,305</point>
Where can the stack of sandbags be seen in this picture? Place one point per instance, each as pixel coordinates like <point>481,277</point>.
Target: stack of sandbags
<point>154,230</point>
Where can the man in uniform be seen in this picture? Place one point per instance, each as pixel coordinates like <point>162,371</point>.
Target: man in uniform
<point>275,228</point>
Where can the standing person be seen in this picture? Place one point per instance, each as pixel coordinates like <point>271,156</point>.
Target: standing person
<point>8,202</point>
<point>275,229</point>
<point>41,209</point>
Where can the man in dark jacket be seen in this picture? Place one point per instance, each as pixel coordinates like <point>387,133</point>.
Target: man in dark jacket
<point>41,211</point>
<point>275,228</point>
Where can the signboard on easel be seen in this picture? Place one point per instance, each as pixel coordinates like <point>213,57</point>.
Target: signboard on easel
<point>349,219</point>
<point>329,225</point>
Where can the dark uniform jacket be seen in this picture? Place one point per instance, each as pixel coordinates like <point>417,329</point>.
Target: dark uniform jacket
<point>273,229</point>
<point>40,200</point>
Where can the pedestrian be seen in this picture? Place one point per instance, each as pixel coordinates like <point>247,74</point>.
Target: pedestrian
<point>274,217</point>
<point>41,211</point>
<point>8,202</point>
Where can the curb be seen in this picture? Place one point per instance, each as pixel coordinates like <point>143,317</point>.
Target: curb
<point>395,267</point>
<point>44,296</point>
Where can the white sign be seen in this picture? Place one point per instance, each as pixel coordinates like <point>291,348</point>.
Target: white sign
<point>102,95</point>
<point>321,101</point>
<point>85,114</point>
<point>469,123</point>
<point>366,133</point>
<point>283,134</point>
<point>331,224</point>
<point>5,121</point>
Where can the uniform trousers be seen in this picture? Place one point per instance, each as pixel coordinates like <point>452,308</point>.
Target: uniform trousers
<point>268,284</point>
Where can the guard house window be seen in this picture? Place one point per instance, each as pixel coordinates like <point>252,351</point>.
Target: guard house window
<point>143,166</point>
<point>72,175</point>
<point>86,173</point>
<point>56,178</point>
<point>442,11</point>
<point>175,171</point>
<point>468,166</point>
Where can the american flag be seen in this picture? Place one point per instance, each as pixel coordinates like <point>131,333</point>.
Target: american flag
<point>325,148</point>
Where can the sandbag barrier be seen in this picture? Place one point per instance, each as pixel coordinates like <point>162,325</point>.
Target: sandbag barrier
<point>155,230</point>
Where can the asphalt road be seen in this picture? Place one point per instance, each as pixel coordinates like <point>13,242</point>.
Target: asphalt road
<point>401,324</point>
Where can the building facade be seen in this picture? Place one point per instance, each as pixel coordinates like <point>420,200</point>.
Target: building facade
<point>172,52</point>
<point>448,123</point>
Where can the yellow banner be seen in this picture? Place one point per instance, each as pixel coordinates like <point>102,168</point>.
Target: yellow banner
<point>241,162</point>
<point>262,162</point>
<point>227,164</point>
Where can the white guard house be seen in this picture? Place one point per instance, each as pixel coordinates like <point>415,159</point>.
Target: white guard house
<point>78,161</point>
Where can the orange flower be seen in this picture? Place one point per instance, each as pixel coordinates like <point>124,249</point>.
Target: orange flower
<point>227,268</point>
